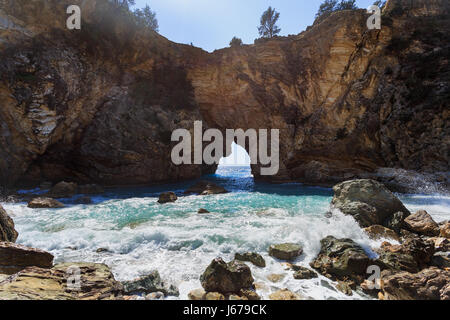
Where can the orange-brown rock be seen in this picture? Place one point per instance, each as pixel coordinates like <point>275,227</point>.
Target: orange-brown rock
<point>15,257</point>
<point>99,105</point>
<point>7,230</point>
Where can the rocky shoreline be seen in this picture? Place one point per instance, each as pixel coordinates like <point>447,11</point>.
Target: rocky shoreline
<point>414,261</point>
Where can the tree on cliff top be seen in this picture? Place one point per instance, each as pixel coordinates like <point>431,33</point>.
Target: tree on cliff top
<point>268,27</point>
<point>147,17</point>
<point>123,3</point>
<point>235,42</point>
<point>330,6</point>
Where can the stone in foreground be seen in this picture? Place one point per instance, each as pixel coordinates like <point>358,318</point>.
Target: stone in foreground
<point>42,202</point>
<point>377,232</point>
<point>7,231</point>
<point>167,197</point>
<point>302,273</point>
<point>15,257</point>
<point>428,284</point>
<point>148,284</point>
<point>339,258</point>
<point>284,294</point>
<point>285,251</point>
<point>368,201</point>
<point>226,277</point>
<point>445,230</point>
<point>422,223</point>
<point>33,283</point>
<point>252,257</point>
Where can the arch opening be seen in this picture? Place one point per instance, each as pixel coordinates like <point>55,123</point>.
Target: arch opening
<point>237,162</point>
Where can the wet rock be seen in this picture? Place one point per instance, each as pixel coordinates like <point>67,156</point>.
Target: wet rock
<point>396,221</point>
<point>284,294</point>
<point>345,288</point>
<point>91,189</point>
<point>101,250</point>
<point>84,200</point>
<point>368,201</point>
<point>302,273</point>
<point>445,230</point>
<point>441,260</point>
<point>33,283</point>
<point>202,211</point>
<point>155,296</point>
<point>411,256</point>
<point>205,188</point>
<point>45,185</point>
<point>285,251</point>
<point>45,203</point>
<point>377,232</point>
<point>441,244</point>
<point>148,284</point>
<point>339,258</point>
<point>252,257</point>
<point>275,277</point>
<point>422,223</point>
<point>63,190</point>
<point>7,231</point>
<point>15,257</point>
<point>233,297</point>
<point>428,284</point>
<point>197,294</point>
<point>226,277</point>
<point>248,294</point>
<point>167,197</point>
<point>214,296</point>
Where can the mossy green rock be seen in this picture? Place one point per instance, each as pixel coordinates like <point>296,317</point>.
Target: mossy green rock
<point>285,251</point>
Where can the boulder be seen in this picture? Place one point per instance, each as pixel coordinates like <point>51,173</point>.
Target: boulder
<point>248,294</point>
<point>205,188</point>
<point>445,230</point>
<point>411,256</point>
<point>167,197</point>
<point>202,211</point>
<point>302,273</point>
<point>396,221</point>
<point>91,189</point>
<point>95,282</point>
<point>148,284</point>
<point>197,294</point>
<point>345,288</point>
<point>285,251</point>
<point>284,294</point>
<point>7,231</point>
<point>428,284</point>
<point>441,244</point>
<point>42,202</point>
<point>226,277</point>
<point>368,201</point>
<point>63,190</point>
<point>340,258</point>
<point>155,296</point>
<point>252,257</point>
<point>377,232</point>
<point>441,260</point>
<point>422,223</point>
<point>15,257</point>
<point>214,296</point>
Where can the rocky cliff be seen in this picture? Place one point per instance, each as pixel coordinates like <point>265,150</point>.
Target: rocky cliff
<point>100,104</point>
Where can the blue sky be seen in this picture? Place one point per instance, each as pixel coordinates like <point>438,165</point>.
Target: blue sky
<point>211,24</point>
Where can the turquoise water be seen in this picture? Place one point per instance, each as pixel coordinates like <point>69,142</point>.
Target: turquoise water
<point>142,235</point>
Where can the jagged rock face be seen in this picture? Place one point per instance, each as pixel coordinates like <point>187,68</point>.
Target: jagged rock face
<point>99,105</point>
